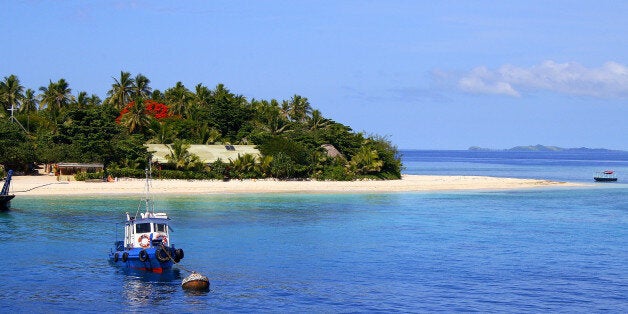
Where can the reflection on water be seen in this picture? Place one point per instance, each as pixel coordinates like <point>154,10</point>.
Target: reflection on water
<point>142,288</point>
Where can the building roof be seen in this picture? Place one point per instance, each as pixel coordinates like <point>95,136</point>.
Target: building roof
<point>207,153</point>
<point>79,165</point>
<point>332,151</point>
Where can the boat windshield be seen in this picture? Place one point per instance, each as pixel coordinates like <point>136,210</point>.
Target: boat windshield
<point>160,227</point>
<point>142,228</point>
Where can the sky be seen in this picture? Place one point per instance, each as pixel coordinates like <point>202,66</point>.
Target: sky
<point>425,74</point>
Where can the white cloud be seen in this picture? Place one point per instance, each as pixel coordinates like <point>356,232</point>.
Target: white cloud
<point>609,80</point>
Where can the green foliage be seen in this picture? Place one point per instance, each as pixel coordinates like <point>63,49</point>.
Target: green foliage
<point>293,156</point>
<point>219,170</point>
<point>181,158</point>
<point>366,161</point>
<point>282,166</point>
<point>244,167</point>
<point>84,176</point>
<point>389,155</point>
<point>228,113</point>
<point>81,128</point>
<point>335,173</point>
<point>16,149</point>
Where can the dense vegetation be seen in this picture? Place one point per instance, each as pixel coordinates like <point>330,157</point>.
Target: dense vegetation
<point>54,125</point>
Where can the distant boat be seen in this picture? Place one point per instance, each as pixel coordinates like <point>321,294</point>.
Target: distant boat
<point>5,197</point>
<point>605,176</point>
<point>147,245</point>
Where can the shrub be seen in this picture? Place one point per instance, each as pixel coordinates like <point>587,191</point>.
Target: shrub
<point>84,176</point>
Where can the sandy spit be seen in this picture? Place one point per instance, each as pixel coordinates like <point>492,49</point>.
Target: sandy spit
<point>48,185</point>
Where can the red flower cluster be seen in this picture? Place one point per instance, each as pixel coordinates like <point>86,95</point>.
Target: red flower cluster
<point>157,110</point>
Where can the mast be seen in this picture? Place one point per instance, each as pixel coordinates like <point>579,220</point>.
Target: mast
<point>147,191</point>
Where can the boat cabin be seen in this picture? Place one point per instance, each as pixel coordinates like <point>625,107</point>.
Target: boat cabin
<point>150,230</point>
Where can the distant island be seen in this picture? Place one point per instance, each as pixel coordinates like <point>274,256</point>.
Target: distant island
<point>543,148</point>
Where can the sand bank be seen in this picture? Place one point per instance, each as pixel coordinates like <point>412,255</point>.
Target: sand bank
<point>48,185</point>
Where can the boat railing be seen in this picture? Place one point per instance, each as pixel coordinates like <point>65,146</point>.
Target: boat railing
<point>605,174</point>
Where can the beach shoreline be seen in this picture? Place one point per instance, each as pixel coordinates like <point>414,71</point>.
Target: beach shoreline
<point>48,185</point>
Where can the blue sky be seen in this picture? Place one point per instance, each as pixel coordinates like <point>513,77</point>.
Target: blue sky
<point>427,74</point>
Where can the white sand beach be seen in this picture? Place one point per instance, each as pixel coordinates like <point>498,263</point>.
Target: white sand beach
<point>48,185</point>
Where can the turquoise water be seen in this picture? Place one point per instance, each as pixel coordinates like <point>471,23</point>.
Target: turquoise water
<point>558,250</point>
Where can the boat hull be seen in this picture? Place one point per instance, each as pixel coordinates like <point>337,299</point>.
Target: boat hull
<point>5,201</point>
<point>605,179</point>
<point>148,261</point>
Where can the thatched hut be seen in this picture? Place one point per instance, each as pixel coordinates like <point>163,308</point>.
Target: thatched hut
<point>332,151</point>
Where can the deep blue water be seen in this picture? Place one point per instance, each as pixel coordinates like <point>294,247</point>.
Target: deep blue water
<point>544,250</point>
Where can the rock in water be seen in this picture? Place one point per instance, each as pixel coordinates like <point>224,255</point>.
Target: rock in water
<point>196,282</point>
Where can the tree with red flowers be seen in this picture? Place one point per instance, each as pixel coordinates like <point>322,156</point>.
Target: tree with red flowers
<point>138,118</point>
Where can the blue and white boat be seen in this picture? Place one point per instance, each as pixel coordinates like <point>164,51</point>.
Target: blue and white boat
<point>147,244</point>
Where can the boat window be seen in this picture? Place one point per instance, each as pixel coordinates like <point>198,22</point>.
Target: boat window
<point>160,227</point>
<point>142,228</point>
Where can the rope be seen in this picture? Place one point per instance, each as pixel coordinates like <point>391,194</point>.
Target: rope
<point>41,186</point>
<point>170,256</point>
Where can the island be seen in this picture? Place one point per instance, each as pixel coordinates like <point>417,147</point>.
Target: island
<point>544,148</point>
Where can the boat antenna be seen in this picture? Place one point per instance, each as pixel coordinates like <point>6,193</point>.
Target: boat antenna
<point>147,199</point>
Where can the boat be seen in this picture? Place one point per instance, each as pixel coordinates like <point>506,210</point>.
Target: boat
<point>605,176</point>
<point>147,245</point>
<point>5,197</point>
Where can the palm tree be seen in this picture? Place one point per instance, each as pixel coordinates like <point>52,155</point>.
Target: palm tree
<point>207,134</point>
<point>136,120</point>
<point>270,117</point>
<point>180,155</point>
<point>11,93</point>
<point>299,108</point>
<point>202,96</point>
<point>316,121</point>
<point>365,161</point>
<point>164,133</point>
<point>244,166</point>
<point>93,101</point>
<point>140,88</point>
<point>29,102</point>
<point>56,96</point>
<point>178,99</point>
<point>121,90</point>
<point>264,166</point>
<point>81,100</point>
<point>200,100</point>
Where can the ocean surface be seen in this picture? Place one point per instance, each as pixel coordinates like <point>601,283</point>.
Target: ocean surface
<point>520,251</point>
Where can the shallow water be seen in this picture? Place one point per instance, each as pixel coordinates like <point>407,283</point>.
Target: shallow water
<point>558,250</point>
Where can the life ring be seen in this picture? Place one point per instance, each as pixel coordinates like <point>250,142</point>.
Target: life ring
<point>125,256</point>
<point>115,257</point>
<point>143,255</point>
<point>162,255</point>
<point>164,240</point>
<point>144,241</point>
